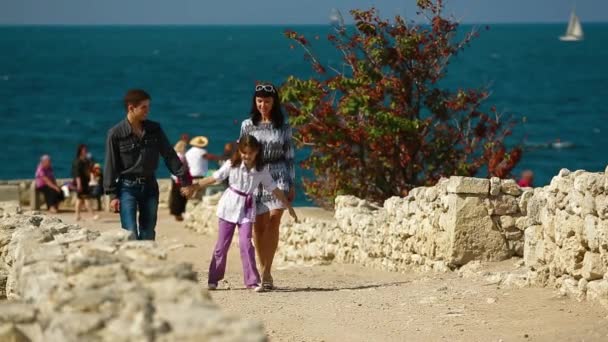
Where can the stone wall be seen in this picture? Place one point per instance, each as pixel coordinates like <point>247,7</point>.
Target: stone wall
<point>566,235</point>
<point>560,230</point>
<point>444,226</point>
<point>25,188</point>
<point>440,227</point>
<point>67,283</point>
<point>201,215</point>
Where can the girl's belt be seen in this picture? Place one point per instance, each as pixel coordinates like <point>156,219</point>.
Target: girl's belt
<point>249,210</point>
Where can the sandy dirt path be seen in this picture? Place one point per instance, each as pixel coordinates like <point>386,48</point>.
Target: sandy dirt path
<point>353,303</point>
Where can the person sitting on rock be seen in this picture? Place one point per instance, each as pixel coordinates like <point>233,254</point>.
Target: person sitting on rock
<point>47,184</point>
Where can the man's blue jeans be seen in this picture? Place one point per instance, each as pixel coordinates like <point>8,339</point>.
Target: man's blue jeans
<point>142,197</point>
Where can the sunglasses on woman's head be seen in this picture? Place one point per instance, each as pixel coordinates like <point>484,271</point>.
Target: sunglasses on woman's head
<point>265,87</point>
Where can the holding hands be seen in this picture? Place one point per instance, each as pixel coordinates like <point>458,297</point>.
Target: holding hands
<point>188,191</point>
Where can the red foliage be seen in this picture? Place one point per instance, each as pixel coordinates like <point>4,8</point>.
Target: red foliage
<point>383,126</point>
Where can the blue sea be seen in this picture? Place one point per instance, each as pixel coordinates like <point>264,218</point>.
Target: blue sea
<point>62,85</point>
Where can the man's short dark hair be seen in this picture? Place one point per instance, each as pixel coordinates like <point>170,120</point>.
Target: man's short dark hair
<point>135,97</point>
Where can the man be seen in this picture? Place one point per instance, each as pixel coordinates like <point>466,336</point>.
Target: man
<point>133,147</point>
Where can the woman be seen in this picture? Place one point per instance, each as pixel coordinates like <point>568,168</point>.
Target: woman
<point>177,202</point>
<point>268,125</point>
<point>47,184</point>
<point>81,171</point>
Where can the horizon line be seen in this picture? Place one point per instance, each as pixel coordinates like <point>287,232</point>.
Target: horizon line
<point>284,24</point>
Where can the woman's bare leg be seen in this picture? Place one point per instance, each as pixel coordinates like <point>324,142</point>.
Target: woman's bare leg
<point>259,239</point>
<point>272,241</point>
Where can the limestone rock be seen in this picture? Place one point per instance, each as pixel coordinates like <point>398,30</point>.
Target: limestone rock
<point>532,255</point>
<point>568,259</point>
<point>517,279</point>
<point>593,268</point>
<point>591,183</point>
<point>17,312</point>
<point>494,186</point>
<point>504,205</point>
<point>506,222</point>
<point>510,187</point>
<point>3,280</point>
<point>10,333</point>
<point>71,284</point>
<point>571,289</point>
<point>524,201</point>
<point>597,290</point>
<point>561,183</point>
<point>468,185</point>
<point>474,234</point>
<point>601,206</point>
<point>516,246</point>
<point>10,207</point>
<point>513,234</point>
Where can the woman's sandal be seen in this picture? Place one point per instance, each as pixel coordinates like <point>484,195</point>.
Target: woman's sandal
<point>267,285</point>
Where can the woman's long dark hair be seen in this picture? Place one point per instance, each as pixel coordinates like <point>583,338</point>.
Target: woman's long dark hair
<point>276,115</point>
<point>79,150</point>
<point>253,143</point>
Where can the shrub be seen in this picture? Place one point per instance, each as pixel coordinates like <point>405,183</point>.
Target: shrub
<point>384,124</point>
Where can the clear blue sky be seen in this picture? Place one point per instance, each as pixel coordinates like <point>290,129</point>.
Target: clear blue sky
<point>211,12</point>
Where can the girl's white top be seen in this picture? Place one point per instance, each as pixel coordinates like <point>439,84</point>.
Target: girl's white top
<point>231,207</point>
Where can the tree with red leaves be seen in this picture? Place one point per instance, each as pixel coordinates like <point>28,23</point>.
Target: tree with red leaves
<point>383,125</point>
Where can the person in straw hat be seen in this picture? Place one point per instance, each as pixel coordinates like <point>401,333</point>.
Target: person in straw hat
<point>198,157</point>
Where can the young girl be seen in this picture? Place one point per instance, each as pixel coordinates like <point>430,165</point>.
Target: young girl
<point>236,207</point>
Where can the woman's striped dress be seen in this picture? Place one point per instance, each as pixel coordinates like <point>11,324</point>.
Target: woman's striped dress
<point>278,158</point>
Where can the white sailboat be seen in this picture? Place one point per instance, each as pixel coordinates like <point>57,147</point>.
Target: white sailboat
<point>574,32</point>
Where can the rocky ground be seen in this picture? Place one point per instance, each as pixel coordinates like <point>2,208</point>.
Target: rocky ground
<point>351,303</point>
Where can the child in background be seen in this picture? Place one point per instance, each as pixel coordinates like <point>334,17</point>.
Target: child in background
<point>96,184</point>
<point>178,202</point>
<point>237,207</point>
<point>527,177</point>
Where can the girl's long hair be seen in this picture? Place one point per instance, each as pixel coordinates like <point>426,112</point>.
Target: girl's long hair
<point>251,142</point>
<point>276,115</point>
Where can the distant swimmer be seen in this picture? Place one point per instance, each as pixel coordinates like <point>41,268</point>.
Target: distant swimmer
<point>558,144</point>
